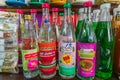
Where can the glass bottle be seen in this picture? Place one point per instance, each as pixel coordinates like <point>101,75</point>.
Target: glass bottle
<point>20,26</point>
<point>116,28</point>
<point>95,18</point>
<point>105,39</point>
<point>67,46</point>
<point>86,48</point>
<point>47,46</point>
<point>61,15</point>
<point>35,21</point>
<point>80,21</point>
<point>29,50</point>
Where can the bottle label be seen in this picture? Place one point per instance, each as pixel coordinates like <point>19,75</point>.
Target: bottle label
<point>67,58</point>
<point>47,55</point>
<point>48,69</point>
<point>86,59</point>
<point>30,59</point>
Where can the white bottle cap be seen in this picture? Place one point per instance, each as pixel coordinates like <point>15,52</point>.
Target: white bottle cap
<point>105,5</point>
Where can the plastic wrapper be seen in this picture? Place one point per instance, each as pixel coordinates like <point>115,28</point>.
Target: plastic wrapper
<point>8,42</point>
<point>98,2</point>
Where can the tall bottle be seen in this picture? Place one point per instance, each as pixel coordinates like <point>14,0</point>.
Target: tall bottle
<point>80,21</point>
<point>35,21</point>
<point>116,28</point>
<point>67,46</point>
<point>29,49</point>
<point>86,48</point>
<point>47,46</point>
<point>20,30</point>
<point>105,44</point>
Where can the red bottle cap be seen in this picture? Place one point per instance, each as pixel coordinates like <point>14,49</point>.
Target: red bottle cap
<point>45,5</point>
<point>88,4</point>
<point>54,9</point>
<point>3,10</point>
<point>33,11</point>
<point>19,11</point>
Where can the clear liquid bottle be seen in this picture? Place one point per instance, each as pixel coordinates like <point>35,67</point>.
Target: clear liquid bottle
<point>86,48</point>
<point>105,39</point>
<point>29,49</point>
<point>35,21</point>
<point>20,30</point>
<point>47,46</point>
<point>67,46</point>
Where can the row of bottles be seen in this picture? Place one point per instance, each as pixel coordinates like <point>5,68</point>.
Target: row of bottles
<point>89,50</point>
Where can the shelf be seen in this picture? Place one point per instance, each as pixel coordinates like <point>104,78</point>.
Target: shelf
<point>39,8</point>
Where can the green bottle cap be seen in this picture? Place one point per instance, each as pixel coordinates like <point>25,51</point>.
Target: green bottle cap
<point>72,12</point>
<point>61,14</point>
<point>67,5</point>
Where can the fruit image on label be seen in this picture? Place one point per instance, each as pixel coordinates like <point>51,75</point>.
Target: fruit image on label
<point>67,58</point>
<point>86,65</point>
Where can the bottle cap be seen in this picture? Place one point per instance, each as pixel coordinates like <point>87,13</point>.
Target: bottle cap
<point>20,11</point>
<point>72,12</point>
<point>81,10</point>
<point>105,5</point>
<point>67,5</point>
<point>33,11</point>
<point>28,17</point>
<point>54,9</point>
<point>88,4</point>
<point>61,14</point>
<point>46,21</point>
<point>45,5</point>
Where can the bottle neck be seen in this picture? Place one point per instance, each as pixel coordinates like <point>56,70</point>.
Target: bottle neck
<point>105,15</point>
<point>55,17</point>
<point>20,17</point>
<point>28,24</point>
<point>67,16</point>
<point>89,13</point>
<point>34,17</point>
<point>45,15</point>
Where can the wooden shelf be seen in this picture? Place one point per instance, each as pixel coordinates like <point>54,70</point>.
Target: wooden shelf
<point>39,8</point>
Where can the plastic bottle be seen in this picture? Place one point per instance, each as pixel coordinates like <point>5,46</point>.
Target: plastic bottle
<point>105,39</point>
<point>47,46</point>
<point>86,48</point>
<point>67,46</point>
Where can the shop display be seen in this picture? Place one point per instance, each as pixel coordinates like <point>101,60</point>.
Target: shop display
<point>29,49</point>
<point>95,18</point>
<point>8,42</point>
<point>16,2</point>
<point>86,48</point>
<point>116,27</point>
<point>67,46</point>
<point>20,31</point>
<point>47,46</point>
<point>105,39</point>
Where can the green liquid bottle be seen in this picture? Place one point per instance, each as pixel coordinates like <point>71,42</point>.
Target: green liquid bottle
<point>86,48</point>
<point>80,21</point>
<point>105,45</point>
